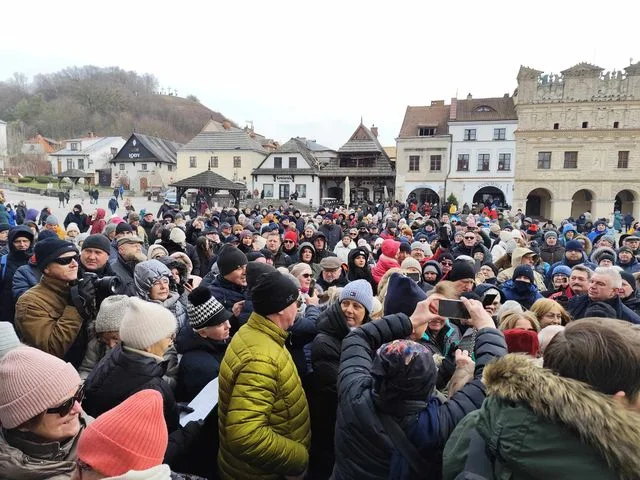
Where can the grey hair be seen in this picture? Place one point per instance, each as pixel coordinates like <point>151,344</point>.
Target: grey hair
<point>612,273</point>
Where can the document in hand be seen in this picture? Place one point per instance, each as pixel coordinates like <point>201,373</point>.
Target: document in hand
<point>202,404</point>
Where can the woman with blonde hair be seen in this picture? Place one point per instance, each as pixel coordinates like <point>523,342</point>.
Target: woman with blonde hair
<point>549,312</point>
<point>523,320</point>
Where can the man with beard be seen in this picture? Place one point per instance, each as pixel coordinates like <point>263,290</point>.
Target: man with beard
<point>20,249</point>
<point>129,255</point>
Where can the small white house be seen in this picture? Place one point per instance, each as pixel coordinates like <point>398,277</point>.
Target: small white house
<point>291,168</point>
<point>88,154</point>
<point>4,148</point>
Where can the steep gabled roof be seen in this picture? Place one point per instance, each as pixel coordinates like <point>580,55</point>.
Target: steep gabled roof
<point>164,150</point>
<point>362,140</point>
<point>428,116</point>
<point>295,145</point>
<point>93,147</point>
<point>225,140</point>
<point>479,109</point>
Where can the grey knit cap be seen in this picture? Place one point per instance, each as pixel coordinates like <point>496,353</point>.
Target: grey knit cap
<point>359,291</point>
<point>111,312</point>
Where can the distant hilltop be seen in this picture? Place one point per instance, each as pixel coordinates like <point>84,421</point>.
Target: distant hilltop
<point>108,101</point>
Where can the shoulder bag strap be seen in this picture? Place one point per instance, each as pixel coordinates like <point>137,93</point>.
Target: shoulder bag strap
<point>402,443</point>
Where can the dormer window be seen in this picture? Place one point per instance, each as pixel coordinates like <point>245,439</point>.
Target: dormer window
<point>74,146</point>
<point>484,108</point>
<point>426,131</point>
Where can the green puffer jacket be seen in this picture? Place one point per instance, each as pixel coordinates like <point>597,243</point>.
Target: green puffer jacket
<point>537,425</point>
<point>263,412</point>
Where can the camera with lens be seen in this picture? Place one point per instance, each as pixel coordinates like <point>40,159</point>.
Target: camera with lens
<point>88,293</point>
<point>104,286</point>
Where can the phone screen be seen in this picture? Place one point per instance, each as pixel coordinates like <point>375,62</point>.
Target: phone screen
<point>489,299</point>
<point>452,309</point>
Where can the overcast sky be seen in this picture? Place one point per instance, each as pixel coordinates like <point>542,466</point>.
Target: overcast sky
<point>299,68</point>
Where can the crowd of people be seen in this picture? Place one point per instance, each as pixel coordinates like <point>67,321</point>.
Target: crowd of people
<point>328,336</point>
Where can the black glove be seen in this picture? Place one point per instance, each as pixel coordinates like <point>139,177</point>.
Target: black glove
<point>83,295</point>
<point>183,407</point>
<point>443,237</point>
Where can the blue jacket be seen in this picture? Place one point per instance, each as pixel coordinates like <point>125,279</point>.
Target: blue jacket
<point>525,299</point>
<point>26,276</point>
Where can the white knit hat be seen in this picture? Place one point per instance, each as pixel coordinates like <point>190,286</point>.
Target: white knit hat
<point>111,312</point>
<point>145,323</point>
<point>8,338</point>
<point>177,235</point>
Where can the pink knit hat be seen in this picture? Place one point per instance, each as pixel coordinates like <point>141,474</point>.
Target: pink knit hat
<point>390,247</point>
<point>131,436</point>
<point>31,381</point>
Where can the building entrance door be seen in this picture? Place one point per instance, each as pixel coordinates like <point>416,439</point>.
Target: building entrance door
<point>284,191</point>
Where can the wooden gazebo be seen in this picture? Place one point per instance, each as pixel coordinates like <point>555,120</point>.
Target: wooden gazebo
<point>74,175</point>
<point>208,182</point>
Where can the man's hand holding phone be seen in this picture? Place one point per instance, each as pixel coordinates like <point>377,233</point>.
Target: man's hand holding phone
<point>479,317</point>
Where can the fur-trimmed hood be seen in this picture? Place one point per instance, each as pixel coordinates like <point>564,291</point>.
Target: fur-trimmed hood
<point>596,418</point>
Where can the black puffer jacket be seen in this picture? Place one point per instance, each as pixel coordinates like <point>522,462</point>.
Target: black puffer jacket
<point>359,430</point>
<point>200,362</point>
<point>323,396</point>
<point>15,259</point>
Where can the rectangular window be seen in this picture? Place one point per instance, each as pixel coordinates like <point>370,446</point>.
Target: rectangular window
<point>504,162</point>
<point>469,134</point>
<point>267,188</point>
<point>213,162</point>
<point>74,146</point>
<point>426,131</point>
<point>499,133</point>
<point>623,159</point>
<point>435,163</point>
<point>556,126</point>
<point>585,124</point>
<point>122,166</point>
<point>277,162</point>
<point>169,168</point>
<point>69,163</point>
<point>463,162</point>
<point>293,162</point>
<point>544,160</point>
<point>144,166</point>
<point>301,190</point>
<point>483,162</point>
<point>570,159</point>
<point>81,164</point>
<point>414,163</point>
<point>616,124</point>
<point>237,162</point>
<point>114,151</point>
<point>193,162</point>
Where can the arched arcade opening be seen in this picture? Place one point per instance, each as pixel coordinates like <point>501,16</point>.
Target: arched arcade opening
<point>422,195</point>
<point>490,196</point>
<point>581,202</point>
<point>538,203</point>
<point>624,202</point>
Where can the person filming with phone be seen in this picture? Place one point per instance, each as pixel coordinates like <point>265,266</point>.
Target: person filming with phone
<point>389,418</point>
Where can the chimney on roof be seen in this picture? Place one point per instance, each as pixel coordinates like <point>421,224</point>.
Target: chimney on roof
<point>506,95</point>
<point>226,125</point>
<point>374,130</point>
<point>453,111</point>
<point>469,97</point>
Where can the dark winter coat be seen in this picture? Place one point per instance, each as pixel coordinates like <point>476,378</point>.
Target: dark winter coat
<point>15,259</point>
<point>553,254</point>
<point>535,424</point>
<point>359,430</point>
<point>124,271</point>
<point>200,362</point>
<point>578,305</point>
<point>332,233</point>
<point>79,219</point>
<point>340,282</point>
<point>26,276</point>
<point>228,294</point>
<point>526,299</point>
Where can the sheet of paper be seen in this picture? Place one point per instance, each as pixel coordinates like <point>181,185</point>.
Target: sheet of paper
<point>202,404</point>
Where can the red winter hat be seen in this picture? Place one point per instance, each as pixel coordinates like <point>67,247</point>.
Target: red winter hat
<point>522,341</point>
<point>293,236</point>
<point>390,247</point>
<point>131,436</point>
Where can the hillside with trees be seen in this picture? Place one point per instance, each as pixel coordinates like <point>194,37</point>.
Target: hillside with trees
<point>107,101</point>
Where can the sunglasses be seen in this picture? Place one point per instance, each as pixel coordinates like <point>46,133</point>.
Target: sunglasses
<point>307,275</point>
<point>67,260</point>
<point>469,238</point>
<point>64,408</point>
<point>447,263</point>
<point>289,241</point>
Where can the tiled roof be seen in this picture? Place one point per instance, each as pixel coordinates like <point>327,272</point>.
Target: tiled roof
<point>295,145</point>
<point>208,179</point>
<point>313,145</point>
<point>74,173</point>
<point>500,108</point>
<point>227,140</point>
<point>431,116</point>
<point>362,140</point>
<point>337,171</point>
<point>581,69</point>
<point>164,150</point>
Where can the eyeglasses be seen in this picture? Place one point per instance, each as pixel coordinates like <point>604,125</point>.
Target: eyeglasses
<point>450,264</point>
<point>64,408</point>
<point>353,234</point>
<point>307,275</point>
<point>67,260</point>
<point>469,238</point>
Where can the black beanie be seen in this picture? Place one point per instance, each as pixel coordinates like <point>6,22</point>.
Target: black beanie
<point>523,271</point>
<point>461,270</point>
<point>600,310</point>
<point>254,255</point>
<point>630,279</point>
<point>254,270</point>
<point>97,241</point>
<point>273,293</point>
<point>230,258</point>
<point>48,250</point>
